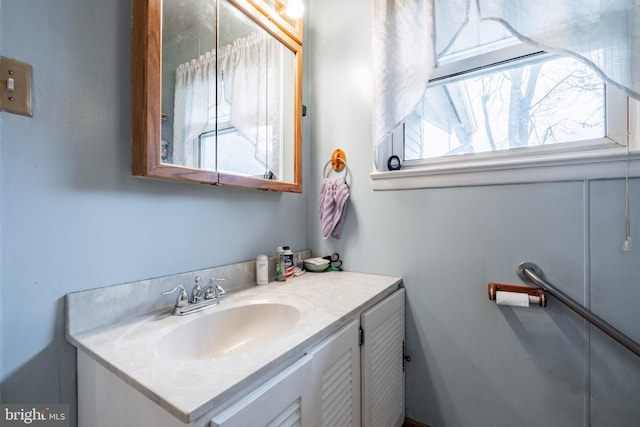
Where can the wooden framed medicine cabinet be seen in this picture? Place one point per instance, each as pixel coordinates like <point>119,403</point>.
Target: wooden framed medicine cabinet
<point>240,124</point>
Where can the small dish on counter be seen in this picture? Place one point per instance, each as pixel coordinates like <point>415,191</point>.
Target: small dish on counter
<point>316,265</point>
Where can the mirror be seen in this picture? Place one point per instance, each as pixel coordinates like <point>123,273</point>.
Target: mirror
<point>217,93</point>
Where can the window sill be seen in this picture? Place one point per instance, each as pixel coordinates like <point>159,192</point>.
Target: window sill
<point>596,162</point>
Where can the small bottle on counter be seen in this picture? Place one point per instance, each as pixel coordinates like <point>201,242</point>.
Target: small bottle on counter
<point>262,270</point>
<point>287,262</point>
<point>280,277</point>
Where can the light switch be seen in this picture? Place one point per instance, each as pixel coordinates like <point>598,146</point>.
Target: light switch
<point>15,87</point>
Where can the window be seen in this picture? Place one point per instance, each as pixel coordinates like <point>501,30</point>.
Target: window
<point>536,101</point>
<point>499,111</point>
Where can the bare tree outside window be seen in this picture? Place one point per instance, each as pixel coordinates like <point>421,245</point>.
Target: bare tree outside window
<point>549,101</point>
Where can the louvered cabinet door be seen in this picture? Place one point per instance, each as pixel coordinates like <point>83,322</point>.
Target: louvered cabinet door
<point>336,379</point>
<point>283,401</point>
<point>382,363</point>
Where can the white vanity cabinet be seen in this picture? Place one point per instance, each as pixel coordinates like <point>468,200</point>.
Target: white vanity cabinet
<point>321,389</point>
<point>285,400</point>
<point>383,363</point>
<point>353,377</point>
<point>336,378</point>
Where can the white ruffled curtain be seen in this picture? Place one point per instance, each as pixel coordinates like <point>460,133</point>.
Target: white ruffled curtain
<point>603,34</point>
<point>403,57</point>
<point>248,72</point>
<point>408,35</point>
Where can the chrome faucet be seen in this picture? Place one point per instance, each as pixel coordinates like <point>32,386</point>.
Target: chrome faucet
<point>200,298</point>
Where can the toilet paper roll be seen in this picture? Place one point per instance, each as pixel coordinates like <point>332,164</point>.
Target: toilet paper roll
<point>512,298</point>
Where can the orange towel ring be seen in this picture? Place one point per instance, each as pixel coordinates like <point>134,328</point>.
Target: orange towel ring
<point>338,163</point>
<point>338,160</point>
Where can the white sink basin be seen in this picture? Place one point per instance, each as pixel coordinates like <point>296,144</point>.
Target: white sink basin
<point>224,332</point>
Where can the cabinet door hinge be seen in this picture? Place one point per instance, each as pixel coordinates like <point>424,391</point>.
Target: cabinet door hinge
<point>361,335</point>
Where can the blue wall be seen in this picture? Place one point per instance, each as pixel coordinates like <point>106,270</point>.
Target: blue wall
<point>73,217</point>
<point>473,363</point>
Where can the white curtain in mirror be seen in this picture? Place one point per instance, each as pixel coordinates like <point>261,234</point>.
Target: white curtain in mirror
<point>408,33</point>
<point>249,76</point>
<point>194,107</point>
<point>250,70</point>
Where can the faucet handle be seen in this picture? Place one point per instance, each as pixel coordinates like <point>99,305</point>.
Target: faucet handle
<point>183,298</point>
<point>210,293</point>
<point>218,289</point>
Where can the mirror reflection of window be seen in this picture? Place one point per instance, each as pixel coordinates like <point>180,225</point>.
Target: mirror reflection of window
<point>250,73</point>
<point>226,108</point>
<point>231,153</point>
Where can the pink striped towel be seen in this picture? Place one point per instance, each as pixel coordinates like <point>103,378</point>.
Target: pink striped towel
<point>334,193</point>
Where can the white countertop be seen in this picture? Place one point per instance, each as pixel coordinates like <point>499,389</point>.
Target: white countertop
<point>190,389</point>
